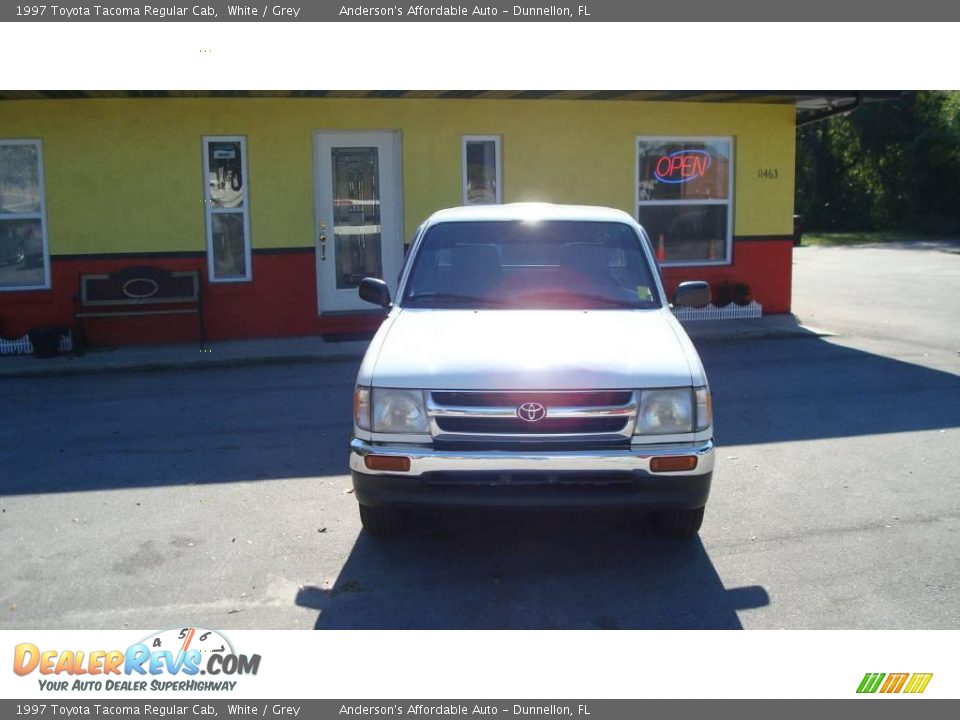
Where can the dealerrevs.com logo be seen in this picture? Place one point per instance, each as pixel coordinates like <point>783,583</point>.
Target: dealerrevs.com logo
<point>167,660</point>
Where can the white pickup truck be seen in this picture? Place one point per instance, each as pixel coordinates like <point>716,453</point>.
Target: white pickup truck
<point>531,359</point>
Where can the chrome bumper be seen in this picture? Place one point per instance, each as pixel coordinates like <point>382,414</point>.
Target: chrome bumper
<point>427,460</point>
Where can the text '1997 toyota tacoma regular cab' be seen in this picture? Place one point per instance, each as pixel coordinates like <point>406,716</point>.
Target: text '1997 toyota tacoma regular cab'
<point>531,359</point>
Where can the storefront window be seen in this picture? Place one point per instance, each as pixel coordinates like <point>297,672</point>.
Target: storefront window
<point>226,199</point>
<point>481,170</point>
<point>24,258</point>
<point>356,214</point>
<point>685,198</point>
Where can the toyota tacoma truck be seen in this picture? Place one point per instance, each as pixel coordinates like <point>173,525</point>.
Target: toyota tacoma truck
<point>531,358</point>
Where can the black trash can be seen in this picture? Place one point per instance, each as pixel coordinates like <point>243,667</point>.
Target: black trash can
<point>45,340</point>
<point>797,230</point>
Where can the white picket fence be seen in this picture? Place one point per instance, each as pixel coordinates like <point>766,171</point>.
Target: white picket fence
<point>23,346</point>
<point>712,312</point>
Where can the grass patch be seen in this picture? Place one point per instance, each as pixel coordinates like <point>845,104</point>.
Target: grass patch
<point>878,237</point>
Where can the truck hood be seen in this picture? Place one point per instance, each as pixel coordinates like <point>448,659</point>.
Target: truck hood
<point>531,350</point>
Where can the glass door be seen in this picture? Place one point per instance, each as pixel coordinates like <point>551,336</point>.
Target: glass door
<point>359,216</point>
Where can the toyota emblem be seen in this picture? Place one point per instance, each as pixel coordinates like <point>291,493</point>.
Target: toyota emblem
<point>531,412</point>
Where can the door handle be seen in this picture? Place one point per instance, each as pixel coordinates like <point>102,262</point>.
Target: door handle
<point>323,241</point>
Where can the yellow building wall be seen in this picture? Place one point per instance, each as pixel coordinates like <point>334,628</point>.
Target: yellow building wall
<point>124,175</point>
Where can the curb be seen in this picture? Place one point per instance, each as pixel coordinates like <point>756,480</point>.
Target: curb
<point>700,334</point>
<point>173,365</point>
<point>697,335</point>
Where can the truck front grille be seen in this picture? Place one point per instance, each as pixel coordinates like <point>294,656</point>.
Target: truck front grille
<point>588,416</point>
<point>582,398</point>
<point>548,425</point>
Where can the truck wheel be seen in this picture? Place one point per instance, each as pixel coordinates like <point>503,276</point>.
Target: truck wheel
<point>381,520</point>
<point>679,523</point>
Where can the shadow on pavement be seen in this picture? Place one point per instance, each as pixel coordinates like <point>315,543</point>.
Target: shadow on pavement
<point>264,423</point>
<point>767,391</point>
<point>103,432</point>
<point>524,570</point>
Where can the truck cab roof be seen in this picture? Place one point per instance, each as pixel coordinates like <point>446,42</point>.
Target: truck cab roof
<point>530,211</point>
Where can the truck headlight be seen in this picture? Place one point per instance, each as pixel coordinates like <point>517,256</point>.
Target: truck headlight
<point>398,411</point>
<point>665,411</point>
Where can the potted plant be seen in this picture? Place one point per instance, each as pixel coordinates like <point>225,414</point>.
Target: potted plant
<point>742,295</point>
<point>738,293</point>
<point>45,340</point>
<point>723,294</point>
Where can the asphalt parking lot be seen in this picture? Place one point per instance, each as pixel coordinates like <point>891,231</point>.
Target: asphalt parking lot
<point>220,497</point>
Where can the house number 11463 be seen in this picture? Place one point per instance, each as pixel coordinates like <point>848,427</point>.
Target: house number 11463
<point>767,173</point>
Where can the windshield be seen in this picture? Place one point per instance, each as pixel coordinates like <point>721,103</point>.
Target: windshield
<point>517,264</point>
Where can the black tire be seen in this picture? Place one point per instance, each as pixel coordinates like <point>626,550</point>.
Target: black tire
<point>381,520</point>
<point>679,523</point>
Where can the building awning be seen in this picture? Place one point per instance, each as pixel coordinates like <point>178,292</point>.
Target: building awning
<point>811,105</point>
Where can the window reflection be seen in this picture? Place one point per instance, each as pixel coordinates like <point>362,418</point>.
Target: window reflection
<point>684,198</point>
<point>356,214</point>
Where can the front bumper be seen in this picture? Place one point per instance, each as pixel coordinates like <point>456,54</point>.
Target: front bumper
<point>542,478</point>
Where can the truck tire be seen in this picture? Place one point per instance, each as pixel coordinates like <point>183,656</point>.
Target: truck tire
<point>381,520</point>
<point>679,523</point>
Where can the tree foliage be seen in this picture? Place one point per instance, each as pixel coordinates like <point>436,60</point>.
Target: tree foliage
<point>891,165</point>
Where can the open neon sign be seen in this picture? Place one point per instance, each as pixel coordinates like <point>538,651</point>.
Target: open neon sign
<point>682,166</point>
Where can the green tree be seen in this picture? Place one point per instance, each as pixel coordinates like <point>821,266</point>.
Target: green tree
<point>889,165</point>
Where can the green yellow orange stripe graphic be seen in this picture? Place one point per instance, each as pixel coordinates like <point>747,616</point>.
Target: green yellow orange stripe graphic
<point>894,682</point>
<point>918,682</point>
<point>870,682</point>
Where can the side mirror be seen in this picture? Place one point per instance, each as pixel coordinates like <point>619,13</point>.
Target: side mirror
<point>694,293</point>
<point>375,290</point>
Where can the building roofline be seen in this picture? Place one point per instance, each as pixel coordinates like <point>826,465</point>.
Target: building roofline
<point>811,105</point>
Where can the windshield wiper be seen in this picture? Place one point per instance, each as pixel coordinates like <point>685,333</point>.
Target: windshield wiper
<point>456,298</point>
<point>583,296</point>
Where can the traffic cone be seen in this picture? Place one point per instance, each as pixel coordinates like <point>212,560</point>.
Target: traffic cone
<point>661,253</point>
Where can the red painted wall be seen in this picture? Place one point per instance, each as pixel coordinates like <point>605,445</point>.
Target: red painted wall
<point>282,299</point>
<point>765,265</point>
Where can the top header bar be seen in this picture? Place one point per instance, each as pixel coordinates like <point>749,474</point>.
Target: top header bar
<point>497,12</point>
